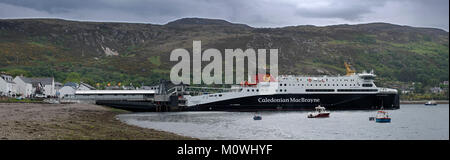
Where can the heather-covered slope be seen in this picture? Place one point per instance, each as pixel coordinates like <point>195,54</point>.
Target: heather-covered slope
<point>139,53</point>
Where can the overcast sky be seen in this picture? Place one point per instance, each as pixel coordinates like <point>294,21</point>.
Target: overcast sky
<point>256,13</point>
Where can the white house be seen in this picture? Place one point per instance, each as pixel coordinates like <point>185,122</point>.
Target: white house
<point>68,90</point>
<point>23,88</point>
<point>30,87</point>
<point>7,86</point>
<point>84,87</point>
<point>436,90</point>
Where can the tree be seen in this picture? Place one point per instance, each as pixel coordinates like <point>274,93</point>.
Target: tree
<point>73,77</point>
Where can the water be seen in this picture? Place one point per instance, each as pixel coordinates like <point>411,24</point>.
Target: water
<point>411,122</point>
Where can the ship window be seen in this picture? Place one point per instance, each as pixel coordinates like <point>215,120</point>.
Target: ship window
<point>367,85</point>
<point>285,84</point>
<point>357,90</point>
<point>316,84</point>
<point>253,90</point>
<point>248,90</point>
<point>368,78</point>
<point>281,84</point>
<point>220,95</point>
<point>320,84</point>
<point>257,90</point>
<point>285,90</point>
<point>303,84</point>
<point>319,90</point>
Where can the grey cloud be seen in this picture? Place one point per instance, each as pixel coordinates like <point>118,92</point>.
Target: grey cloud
<point>257,13</point>
<point>348,10</point>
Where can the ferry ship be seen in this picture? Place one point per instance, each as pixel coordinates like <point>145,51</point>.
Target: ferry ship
<point>354,91</point>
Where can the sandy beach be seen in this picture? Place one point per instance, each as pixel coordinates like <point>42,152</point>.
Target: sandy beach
<point>32,121</point>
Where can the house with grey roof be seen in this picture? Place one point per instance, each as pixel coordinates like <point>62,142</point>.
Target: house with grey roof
<point>7,85</point>
<point>69,88</point>
<point>35,87</point>
<point>85,86</point>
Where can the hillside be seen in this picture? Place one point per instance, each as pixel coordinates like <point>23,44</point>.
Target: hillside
<point>97,52</point>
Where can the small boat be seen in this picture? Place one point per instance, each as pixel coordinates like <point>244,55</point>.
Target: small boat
<point>257,117</point>
<point>320,113</point>
<point>431,103</point>
<point>382,117</point>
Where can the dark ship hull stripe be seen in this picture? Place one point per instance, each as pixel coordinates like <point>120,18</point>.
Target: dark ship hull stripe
<point>303,102</point>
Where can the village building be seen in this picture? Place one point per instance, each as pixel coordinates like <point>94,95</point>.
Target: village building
<point>68,90</point>
<point>84,86</point>
<point>7,86</point>
<point>35,87</point>
<point>436,90</point>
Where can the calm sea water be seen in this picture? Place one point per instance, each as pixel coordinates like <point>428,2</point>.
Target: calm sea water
<point>409,122</point>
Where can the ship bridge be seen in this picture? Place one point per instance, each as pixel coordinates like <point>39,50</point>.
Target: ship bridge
<point>367,76</point>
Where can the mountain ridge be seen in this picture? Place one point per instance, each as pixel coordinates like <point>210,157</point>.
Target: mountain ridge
<point>139,52</point>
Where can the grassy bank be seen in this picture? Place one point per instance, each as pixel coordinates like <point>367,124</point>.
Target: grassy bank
<point>70,122</point>
<point>14,100</point>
